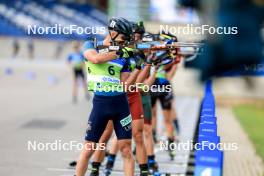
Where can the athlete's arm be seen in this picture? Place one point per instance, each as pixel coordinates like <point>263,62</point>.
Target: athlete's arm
<point>90,54</point>
<point>171,73</point>
<point>143,74</point>
<point>129,78</point>
<point>96,58</point>
<point>151,79</point>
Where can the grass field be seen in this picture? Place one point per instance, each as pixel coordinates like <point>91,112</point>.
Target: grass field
<point>252,120</point>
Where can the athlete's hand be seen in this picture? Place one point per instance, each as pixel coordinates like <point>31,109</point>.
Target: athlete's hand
<point>173,53</point>
<point>150,58</point>
<point>123,52</point>
<point>157,67</point>
<point>177,60</point>
<point>156,61</point>
<point>139,57</point>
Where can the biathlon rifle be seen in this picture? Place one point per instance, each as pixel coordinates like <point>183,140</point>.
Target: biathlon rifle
<point>183,48</point>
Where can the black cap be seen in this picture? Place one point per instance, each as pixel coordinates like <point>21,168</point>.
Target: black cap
<point>121,25</point>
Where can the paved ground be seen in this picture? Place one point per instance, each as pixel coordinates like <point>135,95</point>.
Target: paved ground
<point>36,107</point>
<point>26,101</point>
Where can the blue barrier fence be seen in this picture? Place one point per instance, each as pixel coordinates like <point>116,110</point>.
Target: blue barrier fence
<point>208,158</point>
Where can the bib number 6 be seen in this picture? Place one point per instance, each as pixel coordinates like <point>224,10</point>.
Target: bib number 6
<point>111,70</point>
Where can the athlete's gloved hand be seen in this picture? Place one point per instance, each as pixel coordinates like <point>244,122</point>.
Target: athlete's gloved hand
<point>123,52</point>
<point>173,53</point>
<point>150,58</point>
<point>161,58</point>
<point>156,61</point>
<point>157,67</point>
<point>139,57</point>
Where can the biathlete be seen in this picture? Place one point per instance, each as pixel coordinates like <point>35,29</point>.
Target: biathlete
<point>146,102</point>
<point>162,82</point>
<point>171,70</point>
<point>136,109</point>
<point>106,70</point>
